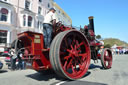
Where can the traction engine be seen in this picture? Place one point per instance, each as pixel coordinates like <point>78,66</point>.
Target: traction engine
<point>70,52</point>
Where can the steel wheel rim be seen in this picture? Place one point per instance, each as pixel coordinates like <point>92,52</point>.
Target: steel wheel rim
<point>70,60</point>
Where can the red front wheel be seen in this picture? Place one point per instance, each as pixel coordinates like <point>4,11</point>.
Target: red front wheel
<point>70,54</point>
<point>106,58</point>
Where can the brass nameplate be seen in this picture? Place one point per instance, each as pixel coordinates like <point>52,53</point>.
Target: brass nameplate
<point>37,36</point>
<point>36,40</point>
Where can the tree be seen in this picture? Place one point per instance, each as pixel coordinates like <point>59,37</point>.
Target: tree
<point>107,46</point>
<point>98,37</point>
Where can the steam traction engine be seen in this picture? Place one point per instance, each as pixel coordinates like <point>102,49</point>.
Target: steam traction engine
<point>70,52</point>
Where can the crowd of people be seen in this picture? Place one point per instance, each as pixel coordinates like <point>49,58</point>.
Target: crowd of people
<point>120,51</point>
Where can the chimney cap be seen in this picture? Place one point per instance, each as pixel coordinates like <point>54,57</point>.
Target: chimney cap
<point>91,17</point>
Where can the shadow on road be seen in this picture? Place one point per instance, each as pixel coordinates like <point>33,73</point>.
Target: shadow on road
<point>50,75</point>
<point>3,71</point>
<point>87,74</point>
<point>45,76</point>
<point>92,66</point>
<point>80,83</point>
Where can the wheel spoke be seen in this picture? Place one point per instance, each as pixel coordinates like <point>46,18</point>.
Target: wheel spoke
<point>74,71</point>
<point>80,60</point>
<point>75,47</point>
<point>80,66</point>
<point>106,53</point>
<point>70,51</point>
<point>65,64</point>
<point>67,57</point>
<point>73,41</point>
<point>80,44</point>
<point>69,64</point>
<point>107,58</point>
<point>71,47</point>
<point>84,54</point>
<point>76,62</point>
<point>78,50</point>
<point>77,43</point>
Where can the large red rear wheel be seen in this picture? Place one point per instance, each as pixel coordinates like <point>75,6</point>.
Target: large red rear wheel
<point>70,54</point>
<point>106,58</point>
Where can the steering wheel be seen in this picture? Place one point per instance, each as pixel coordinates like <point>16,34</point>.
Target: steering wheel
<point>59,24</point>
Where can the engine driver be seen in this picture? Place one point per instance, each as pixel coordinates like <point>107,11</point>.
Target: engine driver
<point>49,21</point>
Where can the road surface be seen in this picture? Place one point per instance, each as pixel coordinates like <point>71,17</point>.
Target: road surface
<point>117,75</point>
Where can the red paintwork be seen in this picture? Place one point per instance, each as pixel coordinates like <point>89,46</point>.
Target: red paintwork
<point>78,53</point>
<point>5,51</point>
<point>78,48</point>
<point>91,32</point>
<point>34,49</point>
<point>40,60</point>
<point>7,59</point>
<point>94,43</point>
<point>107,59</point>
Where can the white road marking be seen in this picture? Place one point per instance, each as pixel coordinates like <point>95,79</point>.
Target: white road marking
<point>60,83</point>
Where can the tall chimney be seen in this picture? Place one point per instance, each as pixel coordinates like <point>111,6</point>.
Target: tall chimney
<point>91,23</point>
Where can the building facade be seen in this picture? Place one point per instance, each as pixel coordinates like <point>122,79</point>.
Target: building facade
<point>62,15</point>
<point>23,15</point>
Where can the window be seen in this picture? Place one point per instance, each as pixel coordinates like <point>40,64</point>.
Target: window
<point>29,21</point>
<point>39,24</point>
<point>24,20</point>
<point>4,14</point>
<point>39,10</point>
<point>59,19</point>
<point>40,0</point>
<point>59,11</point>
<point>27,5</point>
<point>48,5</point>
<point>3,40</point>
<point>3,36</point>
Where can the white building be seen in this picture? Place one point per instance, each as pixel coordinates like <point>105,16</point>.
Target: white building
<point>62,15</point>
<point>21,15</point>
<point>7,12</point>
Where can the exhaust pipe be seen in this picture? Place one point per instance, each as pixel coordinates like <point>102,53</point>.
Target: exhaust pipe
<point>91,23</point>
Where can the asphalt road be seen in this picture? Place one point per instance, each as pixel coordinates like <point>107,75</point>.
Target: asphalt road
<point>117,75</point>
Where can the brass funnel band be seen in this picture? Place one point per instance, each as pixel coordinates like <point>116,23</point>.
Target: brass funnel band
<point>91,17</point>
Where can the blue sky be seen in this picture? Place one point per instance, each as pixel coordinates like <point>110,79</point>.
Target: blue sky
<point>110,16</point>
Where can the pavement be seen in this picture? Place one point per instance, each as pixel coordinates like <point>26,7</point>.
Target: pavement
<point>117,75</point>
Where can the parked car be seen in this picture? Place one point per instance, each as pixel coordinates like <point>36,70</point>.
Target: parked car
<point>1,65</point>
<point>6,53</point>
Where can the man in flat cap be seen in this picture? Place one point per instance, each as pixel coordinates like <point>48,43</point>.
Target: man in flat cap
<point>49,21</point>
